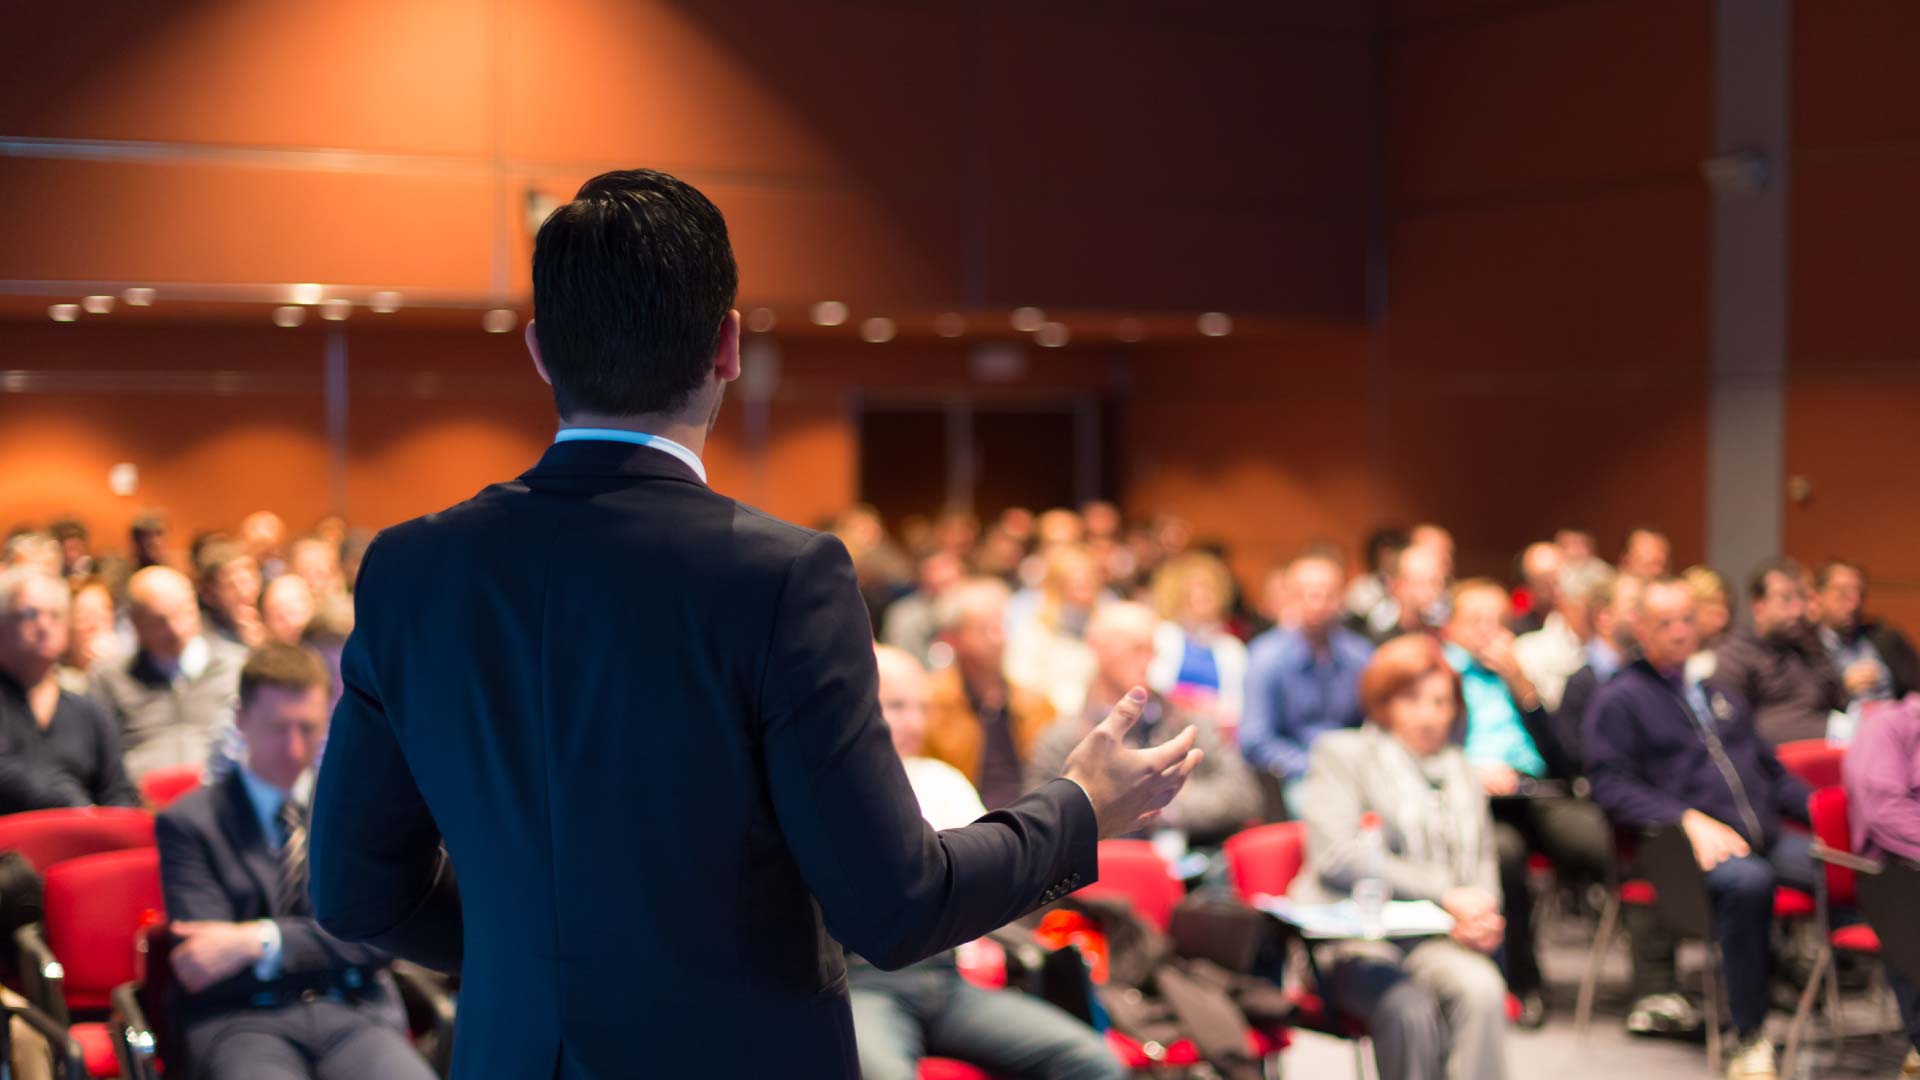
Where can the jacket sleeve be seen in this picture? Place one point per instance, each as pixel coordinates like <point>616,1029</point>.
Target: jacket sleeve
<point>111,784</point>
<point>378,873</point>
<point>1902,662</point>
<point>838,787</point>
<point>1611,735</point>
<point>1884,782</point>
<point>1265,739</point>
<point>1332,803</point>
<point>1572,713</point>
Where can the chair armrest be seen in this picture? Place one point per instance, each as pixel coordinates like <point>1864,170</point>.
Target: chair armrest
<point>69,1062</point>
<point>42,978</point>
<point>430,1012</point>
<point>133,1040</point>
<point>1859,864</point>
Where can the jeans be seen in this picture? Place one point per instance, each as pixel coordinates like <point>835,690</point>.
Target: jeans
<point>1742,893</point>
<point>927,1009</point>
<point>1908,998</point>
<point>1438,1012</point>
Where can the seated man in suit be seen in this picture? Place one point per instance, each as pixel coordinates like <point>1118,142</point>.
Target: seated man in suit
<point>927,1008</point>
<point>262,991</point>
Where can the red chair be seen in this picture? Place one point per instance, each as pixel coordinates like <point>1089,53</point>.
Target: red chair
<point>96,908</point>
<point>1812,760</point>
<point>161,786</point>
<point>1264,860</point>
<point>948,1069</point>
<point>1833,846</point>
<point>47,837</point>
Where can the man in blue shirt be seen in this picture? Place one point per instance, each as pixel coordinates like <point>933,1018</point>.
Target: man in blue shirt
<point>1510,741</point>
<point>1302,679</point>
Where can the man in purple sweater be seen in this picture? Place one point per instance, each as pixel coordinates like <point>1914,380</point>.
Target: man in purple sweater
<point>1664,750</point>
<point>1882,777</point>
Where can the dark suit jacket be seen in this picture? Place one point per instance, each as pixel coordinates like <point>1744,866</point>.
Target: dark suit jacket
<point>641,719</point>
<point>216,864</point>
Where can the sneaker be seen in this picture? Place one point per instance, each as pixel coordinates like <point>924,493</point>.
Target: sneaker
<point>1752,1060</point>
<point>1663,1014</point>
<point>1533,1011</point>
<point>1910,1068</point>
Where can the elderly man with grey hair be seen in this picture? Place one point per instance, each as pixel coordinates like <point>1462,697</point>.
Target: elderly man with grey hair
<point>57,749</point>
<point>178,684</point>
<point>1549,656</point>
<point>1221,796</point>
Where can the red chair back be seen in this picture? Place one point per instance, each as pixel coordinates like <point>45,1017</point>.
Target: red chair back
<point>47,837</point>
<point>97,907</point>
<point>1812,760</point>
<point>1828,809</point>
<point>1132,869</point>
<point>1266,858</point>
<point>161,786</point>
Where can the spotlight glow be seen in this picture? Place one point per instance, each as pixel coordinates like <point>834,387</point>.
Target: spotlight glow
<point>829,313</point>
<point>761,319</point>
<point>289,316</point>
<point>304,293</point>
<point>335,310</point>
<point>499,321</point>
<point>1129,330</point>
<point>63,312</point>
<point>96,305</point>
<point>1028,319</point>
<point>950,325</point>
<point>1216,324</point>
<point>384,302</point>
<point>138,297</point>
<point>877,329</point>
<point>1052,335</point>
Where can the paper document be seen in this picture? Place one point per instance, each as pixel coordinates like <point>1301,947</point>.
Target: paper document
<point>1401,918</point>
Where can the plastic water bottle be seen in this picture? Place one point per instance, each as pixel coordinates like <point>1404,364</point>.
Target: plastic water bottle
<point>1370,890</point>
<point>1842,725</point>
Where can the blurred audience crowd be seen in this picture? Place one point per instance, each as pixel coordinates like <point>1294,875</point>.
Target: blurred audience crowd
<point>1488,727</point>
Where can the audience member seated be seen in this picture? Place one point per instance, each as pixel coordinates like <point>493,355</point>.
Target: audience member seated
<point>1612,646</point>
<point>286,606</point>
<point>1646,554</point>
<point>168,695</point>
<point>1434,1006</point>
<point>265,536</point>
<point>1576,546</point>
<point>263,992</point>
<point>1220,798</point>
<point>981,722</point>
<point>1437,539</point>
<point>1303,680</point>
<point>33,551</point>
<point>1664,750</point>
<point>909,621</point>
<point>1876,662</point>
<point>1882,778</point>
<point>1712,602</point>
<point>1779,667</point>
<point>1552,654</point>
<point>927,1008</point>
<point>230,594</point>
<point>1540,566</point>
<point>1510,743</point>
<point>1195,660</point>
<point>316,561</point>
<point>1415,595</point>
<point>1046,650</point>
<point>56,747</point>
<point>91,635</point>
<point>150,538</point>
<point>76,548</point>
<point>1368,591</point>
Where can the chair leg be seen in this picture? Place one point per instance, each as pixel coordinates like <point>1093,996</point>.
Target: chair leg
<point>1361,1069</point>
<point>1713,1010</point>
<point>1596,957</point>
<point>1804,1009</point>
<point>1833,1003</point>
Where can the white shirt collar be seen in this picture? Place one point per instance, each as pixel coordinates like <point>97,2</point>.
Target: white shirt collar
<point>638,438</point>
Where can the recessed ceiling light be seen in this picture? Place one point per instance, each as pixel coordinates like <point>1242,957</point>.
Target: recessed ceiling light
<point>336,309</point>
<point>1215,324</point>
<point>1028,319</point>
<point>289,316</point>
<point>304,293</point>
<point>1052,335</point>
<point>499,321</point>
<point>96,305</point>
<point>138,297</point>
<point>761,319</point>
<point>877,329</point>
<point>829,313</point>
<point>952,324</point>
<point>1129,330</point>
<point>384,302</point>
<point>63,312</point>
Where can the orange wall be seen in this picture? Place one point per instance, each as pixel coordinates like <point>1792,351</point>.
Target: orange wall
<point>1854,360</point>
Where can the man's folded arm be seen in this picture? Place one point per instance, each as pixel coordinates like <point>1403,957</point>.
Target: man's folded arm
<point>890,888</point>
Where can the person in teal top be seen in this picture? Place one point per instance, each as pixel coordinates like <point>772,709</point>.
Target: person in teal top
<point>1510,744</point>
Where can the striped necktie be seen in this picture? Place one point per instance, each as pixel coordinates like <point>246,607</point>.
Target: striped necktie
<point>293,861</point>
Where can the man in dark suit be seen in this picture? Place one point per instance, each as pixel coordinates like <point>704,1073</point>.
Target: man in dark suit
<point>640,720</point>
<point>263,992</point>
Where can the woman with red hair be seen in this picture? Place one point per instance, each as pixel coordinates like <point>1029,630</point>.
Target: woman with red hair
<point>1435,1006</point>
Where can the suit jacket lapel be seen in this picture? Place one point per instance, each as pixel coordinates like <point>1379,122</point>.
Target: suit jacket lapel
<point>242,828</point>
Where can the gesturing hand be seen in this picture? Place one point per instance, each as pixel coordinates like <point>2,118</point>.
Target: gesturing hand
<point>1129,787</point>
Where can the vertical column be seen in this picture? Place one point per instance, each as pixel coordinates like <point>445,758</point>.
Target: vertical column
<point>335,380</point>
<point>1748,180</point>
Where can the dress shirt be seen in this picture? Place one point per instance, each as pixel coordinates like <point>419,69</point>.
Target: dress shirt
<point>1295,692</point>
<point>267,801</point>
<point>637,438</point>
